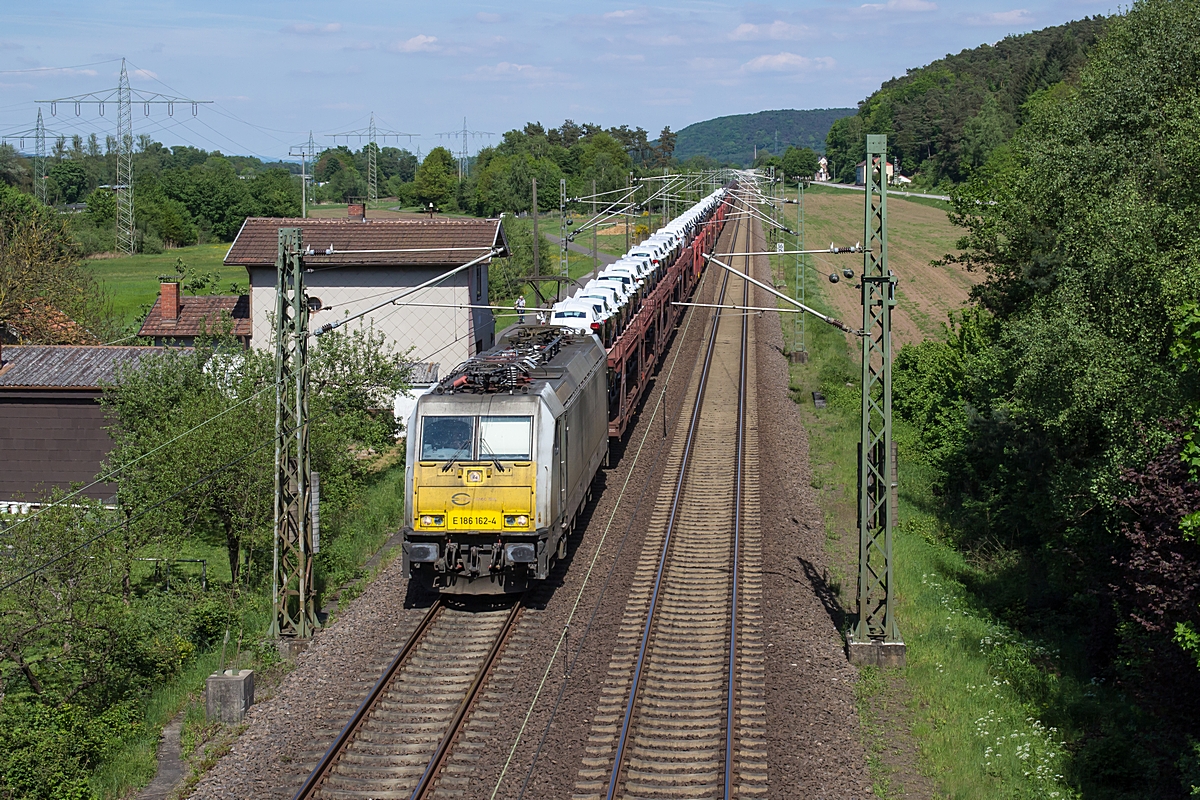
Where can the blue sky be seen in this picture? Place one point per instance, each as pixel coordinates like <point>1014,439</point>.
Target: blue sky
<point>278,70</point>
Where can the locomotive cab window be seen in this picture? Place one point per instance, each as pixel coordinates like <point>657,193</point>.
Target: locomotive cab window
<point>505,438</point>
<point>447,438</point>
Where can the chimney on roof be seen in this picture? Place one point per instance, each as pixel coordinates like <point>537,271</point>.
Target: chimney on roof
<point>169,302</point>
<point>356,211</point>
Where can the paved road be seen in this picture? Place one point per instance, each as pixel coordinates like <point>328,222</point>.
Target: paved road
<point>890,191</point>
<point>605,258</point>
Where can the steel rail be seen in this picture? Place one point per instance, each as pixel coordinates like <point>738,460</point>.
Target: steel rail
<point>680,483</point>
<point>737,543</point>
<point>329,760</point>
<point>425,784</point>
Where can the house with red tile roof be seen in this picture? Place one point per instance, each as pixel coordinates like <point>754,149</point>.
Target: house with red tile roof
<point>178,319</point>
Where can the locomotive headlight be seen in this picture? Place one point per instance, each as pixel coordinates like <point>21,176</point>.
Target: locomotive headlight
<point>433,520</point>
<point>516,521</point>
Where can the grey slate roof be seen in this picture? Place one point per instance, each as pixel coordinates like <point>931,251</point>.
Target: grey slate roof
<point>65,366</point>
<point>429,242</point>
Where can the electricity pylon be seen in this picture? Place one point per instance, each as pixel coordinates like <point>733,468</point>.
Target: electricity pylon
<point>38,132</point>
<point>124,96</point>
<point>875,638</point>
<point>373,134</point>
<point>295,613</point>
<point>307,153</point>
<point>465,135</point>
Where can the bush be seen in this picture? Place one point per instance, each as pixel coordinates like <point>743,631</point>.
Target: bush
<point>49,752</point>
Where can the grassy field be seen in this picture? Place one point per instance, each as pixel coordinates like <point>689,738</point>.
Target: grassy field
<point>972,702</point>
<point>132,281</point>
<point>917,234</point>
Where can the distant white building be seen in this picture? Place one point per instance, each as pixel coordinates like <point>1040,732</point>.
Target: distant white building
<point>822,169</point>
<point>358,263</point>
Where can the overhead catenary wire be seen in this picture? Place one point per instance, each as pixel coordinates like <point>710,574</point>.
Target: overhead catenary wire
<point>837,323</point>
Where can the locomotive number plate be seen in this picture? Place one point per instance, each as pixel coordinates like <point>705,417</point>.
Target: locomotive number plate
<point>490,522</point>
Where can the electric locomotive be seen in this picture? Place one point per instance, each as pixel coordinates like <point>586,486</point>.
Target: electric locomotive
<point>501,457</point>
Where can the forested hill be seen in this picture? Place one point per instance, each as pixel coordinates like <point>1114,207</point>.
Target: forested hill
<point>733,139</point>
<point>943,120</point>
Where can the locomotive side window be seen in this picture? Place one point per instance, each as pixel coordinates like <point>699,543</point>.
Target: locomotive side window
<point>506,438</point>
<point>448,439</point>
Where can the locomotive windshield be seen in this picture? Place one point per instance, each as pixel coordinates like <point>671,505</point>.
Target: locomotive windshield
<point>448,439</point>
<point>506,438</point>
<point>453,438</point>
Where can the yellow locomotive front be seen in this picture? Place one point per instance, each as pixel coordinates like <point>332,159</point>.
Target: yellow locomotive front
<point>499,460</point>
<point>474,492</point>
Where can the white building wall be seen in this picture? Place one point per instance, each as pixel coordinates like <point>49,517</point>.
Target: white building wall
<point>446,336</point>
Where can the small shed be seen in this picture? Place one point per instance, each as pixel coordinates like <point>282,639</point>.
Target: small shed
<point>353,264</point>
<point>178,319</point>
<point>52,427</point>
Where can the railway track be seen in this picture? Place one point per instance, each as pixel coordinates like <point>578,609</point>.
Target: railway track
<point>682,713</point>
<point>397,744</point>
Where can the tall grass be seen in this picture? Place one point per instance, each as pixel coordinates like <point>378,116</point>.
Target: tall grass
<point>978,691</point>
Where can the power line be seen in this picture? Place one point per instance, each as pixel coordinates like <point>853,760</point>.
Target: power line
<point>56,69</point>
<point>465,135</point>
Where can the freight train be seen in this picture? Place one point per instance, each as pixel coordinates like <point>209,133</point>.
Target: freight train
<point>503,451</point>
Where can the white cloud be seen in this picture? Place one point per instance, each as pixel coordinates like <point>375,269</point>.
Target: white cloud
<point>901,5</point>
<point>417,44</point>
<point>787,62</point>
<point>778,29</point>
<point>620,58</point>
<point>709,64</point>
<point>310,28</point>
<point>625,16</point>
<point>670,40</point>
<point>506,70</point>
<point>1017,16</point>
<point>144,73</point>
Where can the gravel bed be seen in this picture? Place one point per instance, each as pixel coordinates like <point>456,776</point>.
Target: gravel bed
<point>601,603</point>
<point>814,748</point>
<point>286,735</point>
